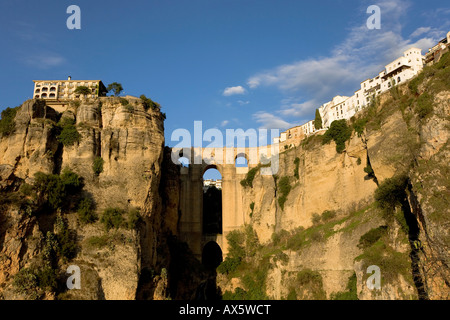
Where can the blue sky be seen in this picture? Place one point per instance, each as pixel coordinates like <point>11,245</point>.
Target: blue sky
<point>229,63</point>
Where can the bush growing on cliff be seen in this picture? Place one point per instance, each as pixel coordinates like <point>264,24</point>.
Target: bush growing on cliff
<point>54,188</point>
<point>296,163</point>
<point>69,134</point>
<point>7,124</point>
<point>229,265</point>
<point>248,181</point>
<point>284,188</point>
<point>351,293</point>
<point>309,285</point>
<point>424,105</point>
<point>86,211</point>
<point>371,237</point>
<point>340,132</point>
<point>359,124</point>
<point>149,103</point>
<point>33,280</point>
<point>97,165</point>
<point>26,282</point>
<point>112,218</point>
<point>133,218</point>
<point>391,192</point>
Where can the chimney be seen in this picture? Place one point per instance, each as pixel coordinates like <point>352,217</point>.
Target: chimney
<point>69,78</point>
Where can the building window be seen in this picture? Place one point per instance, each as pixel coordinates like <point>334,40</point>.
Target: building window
<point>399,79</point>
<point>52,95</point>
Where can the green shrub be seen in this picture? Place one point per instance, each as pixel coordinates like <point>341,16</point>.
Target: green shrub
<point>26,282</point>
<point>149,103</point>
<point>133,218</point>
<point>284,187</point>
<point>7,123</point>
<point>99,241</point>
<point>424,105</point>
<point>280,238</point>
<point>328,215</point>
<point>47,278</point>
<point>229,265</point>
<point>340,132</point>
<point>72,182</point>
<point>112,218</point>
<point>69,135</point>
<point>391,262</point>
<point>86,211</point>
<point>67,244</point>
<point>414,83</point>
<point>297,163</point>
<point>26,189</point>
<point>311,284</point>
<point>391,192</point>
<point>54,189</point>
<point>238,294</point>
<point>97,165</point>
<point>252,207</point>
<point>359,125</point>
<point>248,181</point>
<point>351,293</point>
<point>316,218</point>
<point>124,101</point>
<point>371,237</point>
<point>358,161</point>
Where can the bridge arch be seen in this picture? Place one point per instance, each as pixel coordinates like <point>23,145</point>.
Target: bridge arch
<point>212,255</point>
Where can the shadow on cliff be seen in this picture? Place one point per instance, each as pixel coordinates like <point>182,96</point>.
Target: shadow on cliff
<point>190,279</point>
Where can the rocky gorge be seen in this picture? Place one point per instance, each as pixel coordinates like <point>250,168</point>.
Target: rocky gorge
<point>94,186</point>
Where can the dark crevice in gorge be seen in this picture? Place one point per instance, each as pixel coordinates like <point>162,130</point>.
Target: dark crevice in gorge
<point>414,241</point>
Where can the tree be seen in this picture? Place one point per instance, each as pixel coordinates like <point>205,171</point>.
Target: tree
<point>340,132</point>
<point>83,90</point>
<point>7,124</point>
<point>318,120</point>
<point>115,87</point>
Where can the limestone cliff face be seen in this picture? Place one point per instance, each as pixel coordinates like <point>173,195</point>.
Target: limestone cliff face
<point>130,140</point>
<point>412,255</point>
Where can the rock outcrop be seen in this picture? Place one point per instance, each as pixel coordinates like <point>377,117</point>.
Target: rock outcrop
<point>130,141</point>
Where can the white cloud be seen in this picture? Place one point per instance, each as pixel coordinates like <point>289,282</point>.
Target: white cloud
<point>44,60</point>
<point>233,90</point>
<point>243,103</point>
<point>224,123</point>
<point>420,31</point>
<point>299,109</point>
<point>270,121</point>
<point>363,54</point>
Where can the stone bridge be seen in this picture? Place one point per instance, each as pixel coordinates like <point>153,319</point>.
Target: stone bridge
<point>191,198</point>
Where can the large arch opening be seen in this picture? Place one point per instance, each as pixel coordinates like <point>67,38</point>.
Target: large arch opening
<point>212,255</point>
<point>212,201</point>
<point>241,161</point>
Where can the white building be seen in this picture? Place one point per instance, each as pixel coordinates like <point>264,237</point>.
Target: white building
<point>336,109</point>
<point>65,89</point>
<point>342,107</point>
<point>208,183</point>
